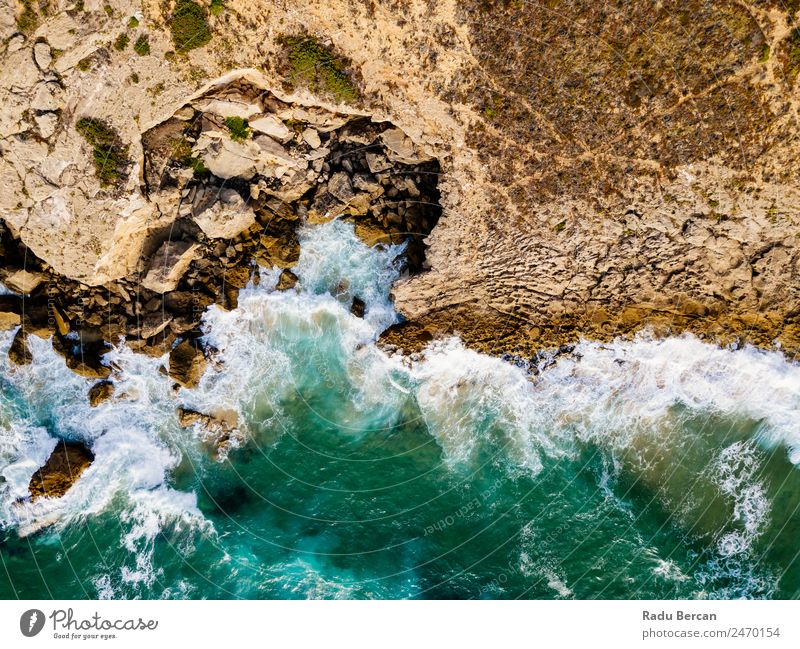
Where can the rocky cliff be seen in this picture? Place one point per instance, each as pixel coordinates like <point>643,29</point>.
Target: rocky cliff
<point>600,167</point>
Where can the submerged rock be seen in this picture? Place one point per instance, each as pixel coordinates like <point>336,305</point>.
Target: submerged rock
<point>62,469</point>
<point>220,429</point>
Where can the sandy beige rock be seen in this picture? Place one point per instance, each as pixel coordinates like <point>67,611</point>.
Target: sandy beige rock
<point>227,217</point>
<point>23,281</point>
<point>168,266</point>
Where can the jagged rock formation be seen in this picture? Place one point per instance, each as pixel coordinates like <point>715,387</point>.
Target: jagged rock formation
<point>63,468</point>
<point>604,168</point>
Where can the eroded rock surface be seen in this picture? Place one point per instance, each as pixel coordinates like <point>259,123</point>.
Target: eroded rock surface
<point>63,468</point>
<point>603,169</point>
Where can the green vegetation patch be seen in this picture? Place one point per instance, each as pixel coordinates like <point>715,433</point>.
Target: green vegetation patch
<point>133,22</point>
<point>122,42</point>
<point>109,153</point>
<point>216,7</point>
<point>182,153</point>
<point>314,65</point>
<point>142,45</point>
<point>28,20</point>
<point>188,26</point>
<point>239,128</point>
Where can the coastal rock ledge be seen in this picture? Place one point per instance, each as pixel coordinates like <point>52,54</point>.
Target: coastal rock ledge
<point>581,194</point>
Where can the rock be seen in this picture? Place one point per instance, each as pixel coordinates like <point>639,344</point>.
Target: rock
<point>46,123</point>
<point>168,265</point>
<point>225,108</point>
<point>88,366</point>
<point>227,218</point>
<point>63,468</point>
<point>311,137</point>
<point>42,55</point>
<point>401,148</point>
<point>272,126</point>
<point>153,324</point>
<point>61,322</point>
<point>340,187</point>
<point>184,114</point>
<point>231,159</point>
<point>99,392</point>
<point>187,363</point>
<point>47,96</point>
<point>278,250</point>
<point>9,320</point>
<point>377,162</point>
<point>219,429</point>
<point>19,353</point>
<point>368,183</point>
<point>286,281</point>
<point>23,281</point>
<point>372,234</point>
<point>237,276</point>
<point>357,308</point>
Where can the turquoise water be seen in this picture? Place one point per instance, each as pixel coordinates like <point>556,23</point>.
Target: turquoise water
<point>640,469</point>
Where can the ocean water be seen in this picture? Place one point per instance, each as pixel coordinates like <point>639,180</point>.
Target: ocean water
<point>637,469</point>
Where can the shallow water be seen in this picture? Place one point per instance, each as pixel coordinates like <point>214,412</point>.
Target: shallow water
<point>650,469</point>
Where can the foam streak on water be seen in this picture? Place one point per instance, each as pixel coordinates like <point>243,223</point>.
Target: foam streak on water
<point>649,468</point>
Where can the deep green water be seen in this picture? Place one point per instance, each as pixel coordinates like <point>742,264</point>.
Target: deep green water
<point>645,469</point>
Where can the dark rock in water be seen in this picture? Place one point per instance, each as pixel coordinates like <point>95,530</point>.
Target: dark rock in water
<point>357,308</point>
<point>287,280</point>
<point>187,364</point>
<point>99,392</point>
<point>62,469</point>
<point>84,358</point>
<point>19,353</point>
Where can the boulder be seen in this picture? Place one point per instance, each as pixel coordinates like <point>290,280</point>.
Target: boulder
<point>153,324</point>
<point>168,266</point>
<point>42,55</point>
<point>278,250</point>
<point>400,148</point>
<point>357,308</point>
<point>272,126</point>
<point>228,159</point>
<point>340,187</point>
<point>8,320</point>
<point>19,353</point>
<point>23,281</point>
<point>227,218</point>
<point>312,138</point>
<point>187,363</point>
<point>46,123</point>
<point>99,392</point>
<point>286,281</point>
<point>63,468</point>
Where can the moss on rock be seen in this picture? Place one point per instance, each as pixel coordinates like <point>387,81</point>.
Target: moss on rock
<point>109,153</point>
<point>188,26</point>
<point>314,65</point>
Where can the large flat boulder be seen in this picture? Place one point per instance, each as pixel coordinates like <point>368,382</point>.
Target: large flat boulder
<point>168,266</point>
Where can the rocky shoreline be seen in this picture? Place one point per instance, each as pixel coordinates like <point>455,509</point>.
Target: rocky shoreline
<point>580,194</point>
<point>238,203</point>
